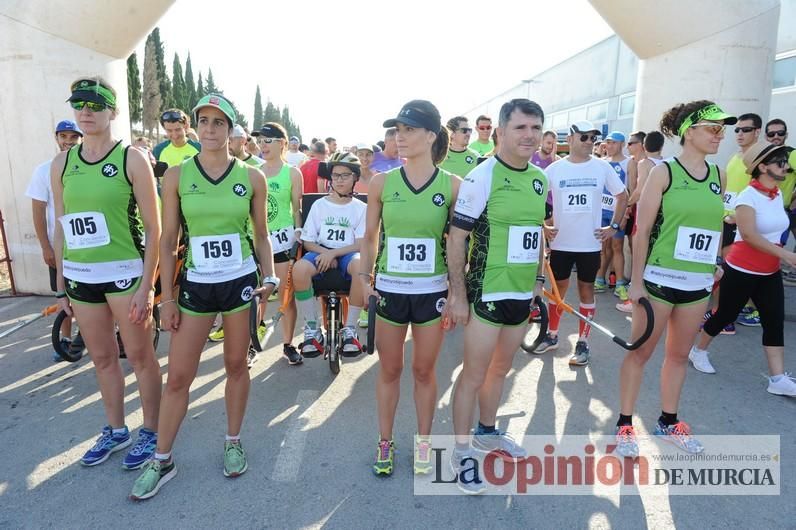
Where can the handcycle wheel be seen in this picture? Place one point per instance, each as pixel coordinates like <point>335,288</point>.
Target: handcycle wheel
<point>536,330</point>
<point>332,340</point>
<point>370,347</point>
<point>68,353</point>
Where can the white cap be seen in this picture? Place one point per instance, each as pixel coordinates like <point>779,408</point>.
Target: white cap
<point>238,132</point>
<point>584,126</point>
<point>365,146</point>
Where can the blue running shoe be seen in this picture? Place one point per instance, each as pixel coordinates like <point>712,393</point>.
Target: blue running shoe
<point>751,319</point>
<point>680,435</point>
<point>106,444</point>
<point>142,451</point>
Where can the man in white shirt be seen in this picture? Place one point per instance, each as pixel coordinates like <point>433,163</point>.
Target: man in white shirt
<point>577,183</point>
<point>67,135</point>
<point>295,157</point>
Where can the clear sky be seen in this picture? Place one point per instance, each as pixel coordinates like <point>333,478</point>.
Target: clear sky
<point>343,67</point>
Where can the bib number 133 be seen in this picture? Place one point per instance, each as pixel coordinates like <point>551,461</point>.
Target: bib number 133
<point>412,255</point>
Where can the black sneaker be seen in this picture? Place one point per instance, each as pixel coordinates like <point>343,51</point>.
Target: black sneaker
<point>78,345</point>
<point>292,354</point>
<point>251,357</point>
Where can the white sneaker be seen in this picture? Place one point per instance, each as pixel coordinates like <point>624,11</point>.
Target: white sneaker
<point>699,358</point>
<point>784,387</point>
<point>313,342</point>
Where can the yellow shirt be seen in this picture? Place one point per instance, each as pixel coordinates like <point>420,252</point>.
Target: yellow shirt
<point>174,156</point>
<point>786,186</point>
<point>737,180</point>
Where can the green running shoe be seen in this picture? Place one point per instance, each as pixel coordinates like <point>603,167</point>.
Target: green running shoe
<point>384,458</point>
<point>235,463</point>
<point>422,454</point>
<point>217,336</point>
<point>156,473</point>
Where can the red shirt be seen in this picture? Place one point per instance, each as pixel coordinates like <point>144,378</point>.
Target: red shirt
<point>309,173</point>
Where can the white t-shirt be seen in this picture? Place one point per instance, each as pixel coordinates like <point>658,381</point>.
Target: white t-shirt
<point>295,159</point>
<point>577,201</point>
<point>335,225</point>
<point>41,189</point>
<point>770,217</point>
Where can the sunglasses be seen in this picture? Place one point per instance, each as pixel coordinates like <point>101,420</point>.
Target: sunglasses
<point>713,128</point>
<point>745,130</point>
<point>632,143</point>
<point>465,130</point>
<point>772,134</point>
<point>588,137</point>
<point>779,162</point>
<point>484,127</point>
<point>93,107</point>
<point>267,140</point>
<point>341,176</point>
<point>172,116</point>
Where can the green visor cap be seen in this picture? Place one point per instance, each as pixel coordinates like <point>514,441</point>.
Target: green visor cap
<point>218,101</point>
<point>709,113</point>
<point>93,91</point>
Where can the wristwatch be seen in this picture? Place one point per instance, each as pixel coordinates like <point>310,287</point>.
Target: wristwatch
<point>615,226</point>
<point>273,280</point>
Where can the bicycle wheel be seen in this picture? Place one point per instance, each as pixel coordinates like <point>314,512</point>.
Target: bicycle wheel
<point>61,346</point>
<point>536,329</point>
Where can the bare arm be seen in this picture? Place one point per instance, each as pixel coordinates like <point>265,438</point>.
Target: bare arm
<point>297,193</point>
<point>644,168</point>
<point>370,243</point>
<point>140,173</point>
<point>56,169</point>
<point>650,201</point>
<point>170,233</point>
<point>39,209</point>
<point>262,241</point>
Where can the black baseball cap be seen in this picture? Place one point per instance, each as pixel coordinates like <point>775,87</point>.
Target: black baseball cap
<point>270,132</point>
<point>418,113</point>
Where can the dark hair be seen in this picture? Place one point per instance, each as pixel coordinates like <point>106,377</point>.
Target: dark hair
<point>526,106</point>
<point>380,144</point>
<point>389,133</point>
<point>303,147</point>
<point>653,142</point>
<point>185,119</point>
<point>439,149</point>
<point>318,147</point>
<point>675,116</point>
<point>756,120</point>
<point>776,154</point>
<point>453,123</point>
<point>639,135</point>
<point>550,132</point>
<point>777,121</point>
<point>313,140</point>
<point>483,117</point>
<point>330,139</point>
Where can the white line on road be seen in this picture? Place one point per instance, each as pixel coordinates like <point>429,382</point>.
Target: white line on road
<point>290,454</point>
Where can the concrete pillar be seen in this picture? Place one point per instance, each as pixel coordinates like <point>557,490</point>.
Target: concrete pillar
<point>708,49</point>
<point>45,46</point>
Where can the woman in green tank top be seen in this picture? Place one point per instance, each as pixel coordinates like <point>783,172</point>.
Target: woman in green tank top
<point>102,191</point>
<point>285,189</point>
<point>675,248</point>
<point>412,205</point>
<point>212,198</point>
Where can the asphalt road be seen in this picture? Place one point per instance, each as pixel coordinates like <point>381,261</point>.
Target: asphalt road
<point>310,439</point>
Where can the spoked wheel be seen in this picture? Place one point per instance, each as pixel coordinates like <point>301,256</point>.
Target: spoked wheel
<point>537,328</point>
<point>69,348</point>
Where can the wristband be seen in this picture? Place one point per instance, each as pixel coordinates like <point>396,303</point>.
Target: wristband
<point>367,275</point>
<point>60,294</point>
<point>164,302</point>
<point>273,280</point>
<point>540,278</point>
<point>299,230</point>
<point>719,261</point>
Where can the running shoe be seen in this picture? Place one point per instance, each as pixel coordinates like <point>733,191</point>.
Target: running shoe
<point>625,307</point>
<point>66,345</point>
<point>78,345</point>
<point>291,354</point>
<point>701,360</point>
<point>729,329</point>
<point>626,443</point>
<point>612,280</point>
<point>217,335</point>
<point>252,357</point>
<point>789,279</point>
<point>235,463</point>
<point>363,318</point>
<point>106,444</point>
<point>351,344</point>
<point>679,434</point>
<point>313,341</point>
<point>581,355</point>
<point>156,473</point>
<point>469,484</point>
<point>384,458</point>
<point>784,387</point>
<point>143,449</point>
<point>751,319</point>
<point>600,286</point>
<point>550,342</point>
<point>261,330</point>
<point>498,441</point>
<point>745,310</point>
<point>422,454</point>
<point>621,292</point>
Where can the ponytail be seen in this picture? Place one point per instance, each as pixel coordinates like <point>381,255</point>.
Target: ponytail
<point>439,149</point>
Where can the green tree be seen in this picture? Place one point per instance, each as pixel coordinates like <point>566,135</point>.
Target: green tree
<point>210,85</point>
<point>287,121</point>
<point>134,90</point>
<point>163,78</point>
<point>257,119</point>
<point>178,92</point>
<point>190,88</point>
<point>271,113</point>
<point>200,89</point>
<point>151,91</point>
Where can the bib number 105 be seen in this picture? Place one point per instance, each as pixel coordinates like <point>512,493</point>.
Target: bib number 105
<point>82,226</point>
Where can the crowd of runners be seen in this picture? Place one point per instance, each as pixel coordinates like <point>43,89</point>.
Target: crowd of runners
<point>456,232</point>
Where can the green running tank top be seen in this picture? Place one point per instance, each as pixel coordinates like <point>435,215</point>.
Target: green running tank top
<point>280,203</point>
<point>685,238</point>
<point>103,234</point>
<point>215,220</point>
<point>411,257</point>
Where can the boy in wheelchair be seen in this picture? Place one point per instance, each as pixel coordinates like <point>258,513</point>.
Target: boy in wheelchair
<point>331,237</point>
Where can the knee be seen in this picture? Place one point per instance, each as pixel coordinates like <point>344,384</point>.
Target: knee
<point>423,375</point>
<point>499,368</point>
<point>640,356</point>
<point>472,379</point>
<point>390,373</point>
<point>617,245</point>
<point>178,382</point>
<point>142,357</point>
<point>106,360</point>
